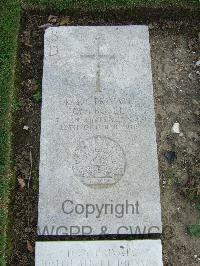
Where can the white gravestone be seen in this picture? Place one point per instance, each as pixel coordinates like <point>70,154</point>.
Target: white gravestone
<point>99,253</point>
<point>98,156</point>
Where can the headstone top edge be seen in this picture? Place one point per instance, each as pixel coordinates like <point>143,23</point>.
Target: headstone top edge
<point>56,28</point>
<point>136,241</point>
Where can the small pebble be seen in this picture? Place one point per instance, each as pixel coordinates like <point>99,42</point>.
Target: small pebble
<point>197,63</point>
<point>26,128</point>
<point>176,128</point>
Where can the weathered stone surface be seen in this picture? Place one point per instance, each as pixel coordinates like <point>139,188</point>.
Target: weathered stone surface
<point>98,157</point>
<point>99,253</point>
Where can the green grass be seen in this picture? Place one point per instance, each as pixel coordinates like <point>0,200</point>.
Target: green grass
<point>172,179</point>
<point>9,26</point>
<point>194,230</point>
<point>103,4</point>
<point>37,96</point>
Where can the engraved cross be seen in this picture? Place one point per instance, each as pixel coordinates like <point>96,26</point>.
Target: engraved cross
<point>98,56</point>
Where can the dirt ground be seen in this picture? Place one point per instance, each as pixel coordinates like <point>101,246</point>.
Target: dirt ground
<point>174,46</point>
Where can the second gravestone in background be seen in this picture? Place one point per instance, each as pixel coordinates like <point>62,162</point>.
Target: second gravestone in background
<point>99,253</point>
<point>98,161</point>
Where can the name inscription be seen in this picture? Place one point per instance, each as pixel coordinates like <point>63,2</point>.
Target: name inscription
<point>102,112</point>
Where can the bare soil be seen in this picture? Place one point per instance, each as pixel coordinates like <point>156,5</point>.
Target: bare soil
<point>174,51</point>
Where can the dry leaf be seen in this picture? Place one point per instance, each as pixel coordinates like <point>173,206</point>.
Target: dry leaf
<point>64,21</point>
<point>52,19</point>
<point>28,44</point>
<point>29,246</point>
<point>21,183</point>
<point>45,26</point>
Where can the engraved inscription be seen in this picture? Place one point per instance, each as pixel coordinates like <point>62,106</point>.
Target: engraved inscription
<point>103,112</point>
<point>99,161</point>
